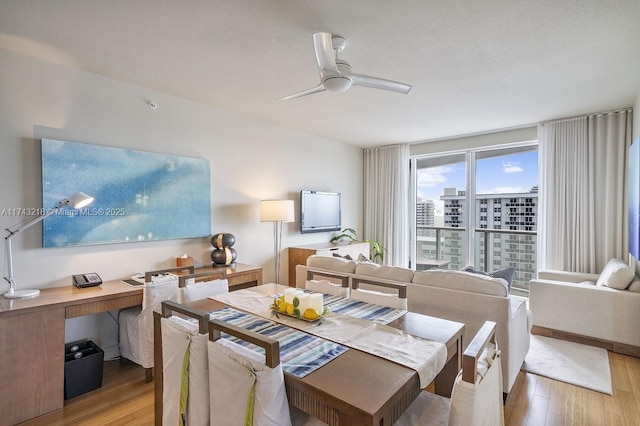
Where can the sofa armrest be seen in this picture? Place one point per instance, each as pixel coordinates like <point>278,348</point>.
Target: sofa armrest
<point>571,277</point>
<point>518,330</point>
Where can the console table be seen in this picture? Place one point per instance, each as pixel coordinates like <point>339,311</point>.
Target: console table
<point>239,275</point>
<point>32,338</point>
<point>298,255</point>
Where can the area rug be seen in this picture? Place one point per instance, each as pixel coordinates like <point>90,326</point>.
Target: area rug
<point>580,365</point>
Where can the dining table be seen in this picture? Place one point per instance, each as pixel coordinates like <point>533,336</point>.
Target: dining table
<point>356,387</point>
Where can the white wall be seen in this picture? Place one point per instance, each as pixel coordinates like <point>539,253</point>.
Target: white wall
<point>250,160</point>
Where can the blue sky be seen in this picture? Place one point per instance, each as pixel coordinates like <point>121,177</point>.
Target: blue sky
<point>497,175</point>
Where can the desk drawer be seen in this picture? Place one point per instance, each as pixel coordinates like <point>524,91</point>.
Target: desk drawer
<point>88,308</point>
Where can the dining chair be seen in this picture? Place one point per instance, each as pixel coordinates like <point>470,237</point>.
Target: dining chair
<point>198,286</point>
<point>476,399</point>
<point>185,377</point>
<point>338,287</point>
<point>136,324</point>
<point>246,387</point>
<point>384,298</point>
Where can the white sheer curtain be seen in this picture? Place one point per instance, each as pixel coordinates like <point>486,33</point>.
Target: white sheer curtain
<point>386,201</point>
<point>582,211</point>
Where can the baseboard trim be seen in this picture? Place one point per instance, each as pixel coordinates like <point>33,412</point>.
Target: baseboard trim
<point>620,348</point>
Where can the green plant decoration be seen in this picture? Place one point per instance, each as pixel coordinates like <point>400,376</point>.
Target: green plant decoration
<point>347,233</point>
<point>377,250</point>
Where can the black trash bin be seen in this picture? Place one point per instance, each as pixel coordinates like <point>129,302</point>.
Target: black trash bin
<point>82,368</point>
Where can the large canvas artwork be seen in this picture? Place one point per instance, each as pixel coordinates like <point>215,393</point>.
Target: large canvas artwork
<point>139,196</point>
<point>633,186</point>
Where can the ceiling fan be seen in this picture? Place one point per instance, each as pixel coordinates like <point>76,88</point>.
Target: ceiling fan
<point>335,73</point>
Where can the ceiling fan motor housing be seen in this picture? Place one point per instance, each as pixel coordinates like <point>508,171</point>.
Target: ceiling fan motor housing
<point>337,83</point>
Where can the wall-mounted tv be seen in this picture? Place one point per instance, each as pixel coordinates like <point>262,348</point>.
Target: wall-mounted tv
<point>320,211</point>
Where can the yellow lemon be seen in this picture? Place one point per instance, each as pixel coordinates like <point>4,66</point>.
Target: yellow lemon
<point>290,308</point>
<point>310,314</point>
<point>282,307</point>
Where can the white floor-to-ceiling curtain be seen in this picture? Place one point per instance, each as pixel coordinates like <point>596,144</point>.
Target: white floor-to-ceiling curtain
<point>582,212</point>
<point>386,201</point>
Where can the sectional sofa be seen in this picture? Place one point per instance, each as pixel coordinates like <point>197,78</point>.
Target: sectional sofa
<point>454,295</point>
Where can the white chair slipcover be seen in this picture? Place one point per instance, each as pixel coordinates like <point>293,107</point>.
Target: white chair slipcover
<point>200,290</point>
<point>480,403</point>
<point>234,373</point>
<point>471,404</point>
<point>184,352</point>
<point>379,298</point>
<point>136,324</point>
<point>327,287</point>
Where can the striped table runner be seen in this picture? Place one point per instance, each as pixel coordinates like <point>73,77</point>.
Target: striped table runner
<point>366,311</point>
<point>300,353</point>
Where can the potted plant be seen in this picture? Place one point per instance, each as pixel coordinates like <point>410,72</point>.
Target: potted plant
<point>376,249</point>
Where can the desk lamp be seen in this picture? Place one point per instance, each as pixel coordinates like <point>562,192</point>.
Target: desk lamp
<point>78,201</point>
<point>277,211</point>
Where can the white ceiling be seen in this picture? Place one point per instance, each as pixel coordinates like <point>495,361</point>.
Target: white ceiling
<point>474,65</point>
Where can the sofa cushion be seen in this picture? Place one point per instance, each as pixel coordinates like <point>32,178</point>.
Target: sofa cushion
<point>336,264</point>
<point>394,273</point>
<point>616,274</point>
<point>506,274</point>
<point>635,285</point>
<point>464,281</point>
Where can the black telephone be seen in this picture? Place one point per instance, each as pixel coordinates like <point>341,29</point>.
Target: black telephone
<point>87,280</point>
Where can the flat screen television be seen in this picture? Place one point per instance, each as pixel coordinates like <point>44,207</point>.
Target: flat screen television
<point>319,211</point>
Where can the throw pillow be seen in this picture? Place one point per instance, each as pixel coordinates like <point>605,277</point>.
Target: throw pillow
<point>363,258</point>
<point>346,256</point>
<point>616,274</point>
<point>506,274</point>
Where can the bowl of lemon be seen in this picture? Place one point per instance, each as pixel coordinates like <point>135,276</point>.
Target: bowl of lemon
<point>298,304</point>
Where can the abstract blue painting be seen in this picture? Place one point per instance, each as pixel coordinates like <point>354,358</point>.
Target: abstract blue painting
<point>633,186</point>
<point>139,196</point>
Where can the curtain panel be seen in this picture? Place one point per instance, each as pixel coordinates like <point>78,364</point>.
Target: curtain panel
<point>386,201</point>
<point>582,205</point>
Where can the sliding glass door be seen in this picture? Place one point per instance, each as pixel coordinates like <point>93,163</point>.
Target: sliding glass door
<point>477,208</point>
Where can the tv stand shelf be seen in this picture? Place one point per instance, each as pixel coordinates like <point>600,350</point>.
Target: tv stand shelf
<point>299,255</point>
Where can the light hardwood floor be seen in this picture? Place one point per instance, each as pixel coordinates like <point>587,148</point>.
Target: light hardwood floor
<point>125,399</point>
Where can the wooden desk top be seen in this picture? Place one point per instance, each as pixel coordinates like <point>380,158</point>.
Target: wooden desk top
<point>70,295</point>
<point>65,296</point>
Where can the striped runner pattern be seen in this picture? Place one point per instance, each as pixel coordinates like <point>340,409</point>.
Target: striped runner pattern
<point>300,353</point>
<point>240,319</point>
<point>366,311</point>
<point>328,299</point>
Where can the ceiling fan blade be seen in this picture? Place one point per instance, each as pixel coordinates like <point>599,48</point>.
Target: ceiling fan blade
<point>379,83</point>
<point>317,89</point>
<point>324,55</point>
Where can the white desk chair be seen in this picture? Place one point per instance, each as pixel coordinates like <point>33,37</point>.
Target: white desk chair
<point>336,285</point>
<point>476,399</point>
<point>397,301</point>
<point>184,366</point>
<point>136,324</point>
<point>244,385</point>
<point>199,286</point>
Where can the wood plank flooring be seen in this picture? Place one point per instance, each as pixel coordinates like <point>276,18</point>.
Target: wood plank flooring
<point>125,399</point>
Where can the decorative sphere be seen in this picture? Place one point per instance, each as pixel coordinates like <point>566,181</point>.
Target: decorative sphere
<point>223,240</point>
<point>224,256</point>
